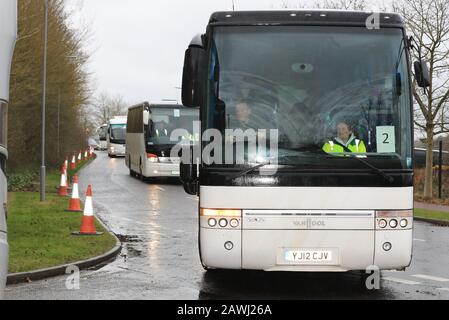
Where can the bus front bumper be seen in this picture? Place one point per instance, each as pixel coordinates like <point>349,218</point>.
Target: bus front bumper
<point>117,151</point>
<point>268,249</point>
<point>161,169</point>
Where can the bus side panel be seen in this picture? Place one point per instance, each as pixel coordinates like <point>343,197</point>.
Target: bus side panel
<point>134,150</point>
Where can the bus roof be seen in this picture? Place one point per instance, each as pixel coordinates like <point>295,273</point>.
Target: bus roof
<point>303,17</point>
<point>119,120</point>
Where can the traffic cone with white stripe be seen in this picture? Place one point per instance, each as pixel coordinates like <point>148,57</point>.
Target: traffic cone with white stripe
<point>88,224</point>
<point>79,158</point>
<point>73,163</point>
<point>63,185</point>
<point>85,155</point>
<point>75,203</point>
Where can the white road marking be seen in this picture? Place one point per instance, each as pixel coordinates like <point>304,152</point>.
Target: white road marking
<point>402,281</point>
<point>419,240</point>
<point>423,276</point>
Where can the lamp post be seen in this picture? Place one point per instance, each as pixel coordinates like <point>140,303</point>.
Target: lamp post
<point>44,93</point>
<point>440,168</point>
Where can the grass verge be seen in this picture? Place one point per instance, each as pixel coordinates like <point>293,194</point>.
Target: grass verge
<point>39,234</point>
<point>428,214</point>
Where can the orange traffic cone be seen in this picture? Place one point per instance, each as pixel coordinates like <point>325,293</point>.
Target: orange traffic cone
<point>73,163</point>
<point>85,155</point>
<point>75,203</point>
<point>79,158</point>
<point>88,224</point>
<point>63,185</point>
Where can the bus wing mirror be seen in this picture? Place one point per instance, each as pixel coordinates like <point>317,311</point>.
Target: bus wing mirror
<point>146,117</point>
<point>189,175</point>
<point>192,79</point>
<point>422,74</point>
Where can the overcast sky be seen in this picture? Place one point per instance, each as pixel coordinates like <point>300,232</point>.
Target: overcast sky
<point>137,46</point>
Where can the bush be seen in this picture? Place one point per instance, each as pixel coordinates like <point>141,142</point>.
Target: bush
<point>20,181</point>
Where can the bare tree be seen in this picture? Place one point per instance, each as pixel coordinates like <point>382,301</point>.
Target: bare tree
<point>428,21</point>
<point>106,107</point>
<point>342,4</point>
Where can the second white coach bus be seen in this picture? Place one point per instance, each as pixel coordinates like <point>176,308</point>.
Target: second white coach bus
<point>148,139</point>
<point>116,137</point>
<point>101,137</point>
<point>333,189</point>
<point>8,33</point>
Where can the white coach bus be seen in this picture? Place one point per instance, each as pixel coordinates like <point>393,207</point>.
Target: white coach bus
<point>148,138</point>
<point>338,195</point>
<point>8,34</point>
<point>116,137</point>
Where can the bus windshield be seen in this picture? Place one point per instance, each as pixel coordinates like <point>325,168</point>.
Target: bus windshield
<point>118,133</point>
<point>326,90</point>
<point>164,121</point>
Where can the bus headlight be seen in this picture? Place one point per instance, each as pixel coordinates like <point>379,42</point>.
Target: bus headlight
<point>393,218</point>
<point>212,222</point>
<point>404,223</point>
<point>223,223</point>
<point>234,223</point>
<point>393,223</point>
<point>152,158</point>
<point>383,224</point>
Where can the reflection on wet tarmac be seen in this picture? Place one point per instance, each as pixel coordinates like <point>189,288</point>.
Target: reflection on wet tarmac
<point>281,285</point>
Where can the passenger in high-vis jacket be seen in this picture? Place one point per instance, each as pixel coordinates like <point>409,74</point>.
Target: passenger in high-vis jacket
<point>345,142</point>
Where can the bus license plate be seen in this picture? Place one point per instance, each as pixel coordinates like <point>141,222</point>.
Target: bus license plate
<point>308,256</point>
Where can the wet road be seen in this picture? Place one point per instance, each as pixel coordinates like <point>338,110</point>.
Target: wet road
<point>159,225</point>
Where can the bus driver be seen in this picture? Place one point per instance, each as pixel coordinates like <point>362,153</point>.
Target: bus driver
<point>345,141</point>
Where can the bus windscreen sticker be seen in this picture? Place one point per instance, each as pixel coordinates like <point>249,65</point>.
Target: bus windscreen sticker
<point>177,113</point>
<point>386,140</point>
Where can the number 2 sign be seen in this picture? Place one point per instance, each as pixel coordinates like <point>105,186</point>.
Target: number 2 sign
<point>386,140</point>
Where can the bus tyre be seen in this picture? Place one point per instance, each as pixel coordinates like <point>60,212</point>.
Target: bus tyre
<point>141,176</point>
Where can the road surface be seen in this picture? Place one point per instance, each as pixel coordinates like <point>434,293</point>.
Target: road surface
<point>158,223</point>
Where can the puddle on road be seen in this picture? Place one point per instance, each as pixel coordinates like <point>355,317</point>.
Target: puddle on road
<point>128,238</point>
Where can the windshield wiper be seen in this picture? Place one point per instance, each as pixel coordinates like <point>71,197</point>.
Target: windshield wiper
<point>245,172</point>
<point>387,177</point>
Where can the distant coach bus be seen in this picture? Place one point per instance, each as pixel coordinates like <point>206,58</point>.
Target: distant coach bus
<point>116,137</point>
<point>148,138</point>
